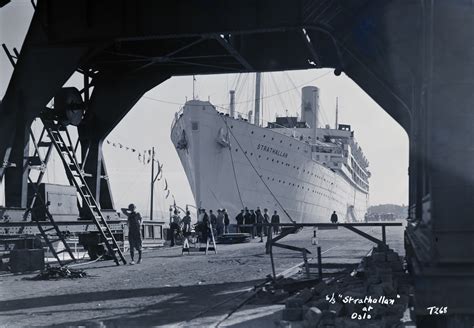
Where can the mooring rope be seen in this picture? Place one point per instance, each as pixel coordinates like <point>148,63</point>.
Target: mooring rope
<point>256,171</point>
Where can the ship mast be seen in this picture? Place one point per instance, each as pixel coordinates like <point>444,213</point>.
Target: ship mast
<point>258,79</point>
<point>337,112</point>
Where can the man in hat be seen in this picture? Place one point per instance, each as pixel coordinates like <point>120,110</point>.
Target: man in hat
<point>174,226</point>
<point>134,231</point>
<point>240,219</point>
<point>226,221</point>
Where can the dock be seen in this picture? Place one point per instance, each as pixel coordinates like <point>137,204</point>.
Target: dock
<point>171,289</point>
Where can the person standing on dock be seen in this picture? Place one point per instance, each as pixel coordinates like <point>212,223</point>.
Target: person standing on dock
<point>174,226</point>
<point>253,220</point>
<point>186,224</point>
<point>240,220</point>
<point>226,221</point>
<point>134,220</point>
<point>186,228</point>
<point>259,219</point>
<point>276,220</point>
<point>334,217</point>
<point>266,220</point>
<point>220,222</point>
<point>213,221</point>
<point>247,219</point>
<point>205,229</point>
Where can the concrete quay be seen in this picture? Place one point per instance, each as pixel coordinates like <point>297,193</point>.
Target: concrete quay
<point>172,290</point>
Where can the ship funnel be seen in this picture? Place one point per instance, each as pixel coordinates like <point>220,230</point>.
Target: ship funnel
<point>310,107</point>
<point>232,103</point>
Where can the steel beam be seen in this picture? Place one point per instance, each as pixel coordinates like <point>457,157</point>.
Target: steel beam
<point>113,97</point>
<point>28,94</point>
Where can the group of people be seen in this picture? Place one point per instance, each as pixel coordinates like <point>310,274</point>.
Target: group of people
<point>205,222</point>
<point>246,221</point>
<point>256,218</point>
<point>180,225</point>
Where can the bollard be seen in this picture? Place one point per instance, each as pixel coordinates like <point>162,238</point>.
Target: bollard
<point>320,264</point>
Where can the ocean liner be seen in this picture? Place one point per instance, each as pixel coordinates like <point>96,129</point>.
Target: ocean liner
<point>292,166</point>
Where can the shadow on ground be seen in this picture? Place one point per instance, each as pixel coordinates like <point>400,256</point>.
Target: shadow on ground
<point>173,304</point>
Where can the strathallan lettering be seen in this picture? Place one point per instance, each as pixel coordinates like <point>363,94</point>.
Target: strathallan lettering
<point>272,150</point>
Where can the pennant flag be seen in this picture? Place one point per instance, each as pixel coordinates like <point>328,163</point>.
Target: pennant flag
<point>159,168</point>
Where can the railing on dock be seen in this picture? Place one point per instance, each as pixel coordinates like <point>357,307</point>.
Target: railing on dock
<point>291,228</point>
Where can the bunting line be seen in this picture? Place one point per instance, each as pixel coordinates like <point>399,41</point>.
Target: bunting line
<point>144,157</point>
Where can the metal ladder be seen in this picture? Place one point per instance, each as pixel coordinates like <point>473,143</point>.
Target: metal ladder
<point>76,177</point>
<point>50,234</point>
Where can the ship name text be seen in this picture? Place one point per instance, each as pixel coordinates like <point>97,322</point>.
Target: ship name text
<point>272,150</point>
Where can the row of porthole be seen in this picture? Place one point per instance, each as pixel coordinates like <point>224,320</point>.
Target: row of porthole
<point>298,186</point>
<point>281,141</point>
<point>287,164</point>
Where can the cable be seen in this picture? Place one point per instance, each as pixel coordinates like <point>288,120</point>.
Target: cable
<point>248,100</point>
<point>259,176</point>
<point>235,174</point>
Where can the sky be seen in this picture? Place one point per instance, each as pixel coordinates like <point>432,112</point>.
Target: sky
<point>147,125</point>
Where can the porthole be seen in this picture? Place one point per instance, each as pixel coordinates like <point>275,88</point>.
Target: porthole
<point>251,132</point>
<point>273,159</point>
<point>281,141</point>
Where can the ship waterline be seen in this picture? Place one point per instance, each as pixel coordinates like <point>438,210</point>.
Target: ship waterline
<point>233,164</point>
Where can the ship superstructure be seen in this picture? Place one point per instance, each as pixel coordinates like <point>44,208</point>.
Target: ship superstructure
<point>303,172</point>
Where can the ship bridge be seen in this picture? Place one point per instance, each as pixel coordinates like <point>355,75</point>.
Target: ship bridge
<point>415,58</point>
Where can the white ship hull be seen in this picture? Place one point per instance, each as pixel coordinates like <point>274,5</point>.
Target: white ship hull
<point>259,168</point>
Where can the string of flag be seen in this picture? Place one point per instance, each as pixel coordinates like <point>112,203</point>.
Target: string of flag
<point>145,157</point>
